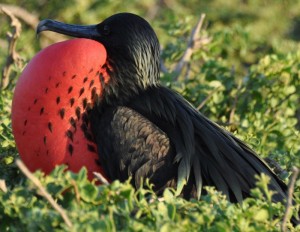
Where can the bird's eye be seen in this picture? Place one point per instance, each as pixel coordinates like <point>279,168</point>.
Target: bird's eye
<point>106,30</point>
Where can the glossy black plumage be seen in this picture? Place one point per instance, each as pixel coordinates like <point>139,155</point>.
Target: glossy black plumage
<point>133,146</point>
<point>145,130</point>
<point>158,131</point>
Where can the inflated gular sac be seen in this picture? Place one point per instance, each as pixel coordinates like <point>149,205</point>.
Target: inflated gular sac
<point>49,112</point>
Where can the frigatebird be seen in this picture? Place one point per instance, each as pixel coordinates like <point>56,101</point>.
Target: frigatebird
<point>145,130</point>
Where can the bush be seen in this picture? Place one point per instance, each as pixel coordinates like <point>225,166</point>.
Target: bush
<point>246,79</point>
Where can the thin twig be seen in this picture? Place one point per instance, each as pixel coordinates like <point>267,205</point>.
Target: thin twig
<point>3,187</point>
<point>234,104</point>
<point>187,71</point>
<point>13,57</point>
<point>192,44</point>
<point>101,178</point>
<point>32,20</point>
<point>193,38</point>
<point>44,193</point>
<point>28,17</point>
<point>77,194</point>
<point>163,68</point>
<point>207,98</point>
<point>290,197</point>
<point>272,110</point>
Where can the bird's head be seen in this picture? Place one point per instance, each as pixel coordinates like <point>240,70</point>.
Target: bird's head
<point>132,51</point>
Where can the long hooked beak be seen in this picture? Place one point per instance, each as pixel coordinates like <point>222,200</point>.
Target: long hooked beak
<point>89,32</point>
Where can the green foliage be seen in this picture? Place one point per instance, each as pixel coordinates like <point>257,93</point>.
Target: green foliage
<point>8,151</point>
<point>119,207</point>
<point>246,79</point>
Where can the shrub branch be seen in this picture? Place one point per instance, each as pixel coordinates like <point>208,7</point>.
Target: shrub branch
<point>43,192</point>
<point>234,104</point>
<point>202,104</point>
<point>3,187</point>
<point>195,42</point>
<point>101,178</point>
<point>31,20</point>
<point>13,57</point>
<point>289,204</point>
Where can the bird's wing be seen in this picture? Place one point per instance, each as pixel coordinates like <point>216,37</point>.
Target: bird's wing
<point>131,145</point>
<point>204,151</point>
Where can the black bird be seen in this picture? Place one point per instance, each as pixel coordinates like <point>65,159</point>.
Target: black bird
<point>145,130</point>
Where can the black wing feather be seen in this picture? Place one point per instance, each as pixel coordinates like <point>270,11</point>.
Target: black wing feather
<point>131,145</point>
<point>204,150</point>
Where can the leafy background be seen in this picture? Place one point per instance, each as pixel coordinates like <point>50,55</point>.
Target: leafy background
<point>246,79</point>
